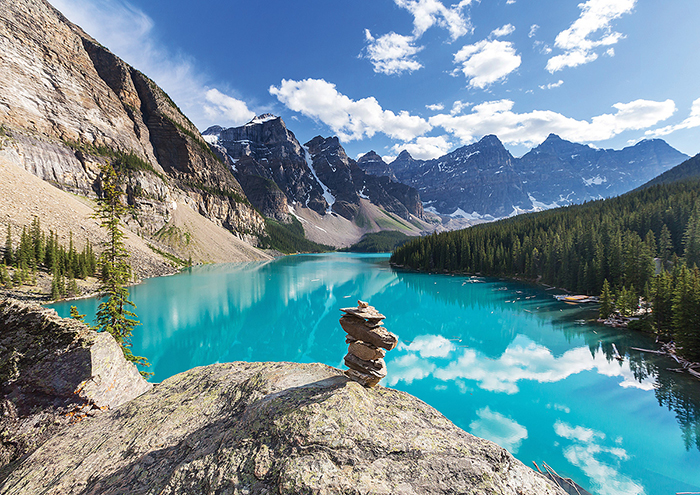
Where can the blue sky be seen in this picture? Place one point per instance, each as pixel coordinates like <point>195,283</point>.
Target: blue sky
<point>423,75</point>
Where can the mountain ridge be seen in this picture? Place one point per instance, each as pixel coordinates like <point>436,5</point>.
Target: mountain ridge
<point>555,173</point>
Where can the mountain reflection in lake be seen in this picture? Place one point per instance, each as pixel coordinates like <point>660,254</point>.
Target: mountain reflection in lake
<point>502,360</point>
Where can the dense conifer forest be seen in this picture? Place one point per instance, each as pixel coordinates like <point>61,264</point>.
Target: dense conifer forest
<point>638,250</point>
<point>38,251</point>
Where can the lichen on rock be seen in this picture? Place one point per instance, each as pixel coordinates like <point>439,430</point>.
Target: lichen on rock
<point>271,428</point>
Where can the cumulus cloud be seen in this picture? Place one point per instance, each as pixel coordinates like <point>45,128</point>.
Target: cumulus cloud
<point>487,61</point>
<point>128,32</point>
<point>503,31</point>
<point>224,108</point>
<point>533,30</point>
<point>436,107</point>
<point>590,31</point>
<point>349,119</point>
<point>552,85</point>
<point>531,128</point>
<point>428,13</point>
<point>498,428</point>
<point>693,120</point>
<point>392,53</point>
<point>424,147</point>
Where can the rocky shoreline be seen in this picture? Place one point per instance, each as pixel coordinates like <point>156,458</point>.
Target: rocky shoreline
<point>77,418</point>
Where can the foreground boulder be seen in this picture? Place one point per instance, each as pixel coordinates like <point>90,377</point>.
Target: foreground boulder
<point>264,428</point>
<point>53,373</point>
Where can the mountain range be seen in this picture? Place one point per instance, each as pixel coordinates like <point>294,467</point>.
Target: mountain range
<point>68,105</point>
<point>484,181</point>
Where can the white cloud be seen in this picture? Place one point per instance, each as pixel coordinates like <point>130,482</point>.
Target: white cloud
<point>503,31</point>
<point>435,107</point>
<point>392,53</point>
<point>224,108</point>
<point>458,106</point>
<point>128,32</point>
<point>487,61</point>
<point>579,42</point>
<point>533,30</point>
<point>427,13</point>
<point>552,85</point>
<point>497,117</point>
<point>425,148</point>
<point>348,118</point>
<point>693,120</point>
<point>600,462</point>
<point>498,428</point>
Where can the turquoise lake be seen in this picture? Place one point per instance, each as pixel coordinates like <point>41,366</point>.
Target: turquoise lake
<point>501,359</point>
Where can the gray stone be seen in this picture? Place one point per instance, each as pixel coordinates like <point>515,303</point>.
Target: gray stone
<point>271,428</point>
<point>53,372</point>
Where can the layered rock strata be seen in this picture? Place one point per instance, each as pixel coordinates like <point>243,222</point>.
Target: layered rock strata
<point>68,104</point>
<point>368,342</point>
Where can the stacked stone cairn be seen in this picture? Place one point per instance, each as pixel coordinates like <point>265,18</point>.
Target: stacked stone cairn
<point>368,342</point>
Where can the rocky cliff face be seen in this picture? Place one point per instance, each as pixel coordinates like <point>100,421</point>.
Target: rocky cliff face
<point>272,428</point>
<point>68,104</point>
<point>483,180</point>
<point>276,171</point>
<point>270,164</point>
<point>347,182</point>
<point>53,373</point>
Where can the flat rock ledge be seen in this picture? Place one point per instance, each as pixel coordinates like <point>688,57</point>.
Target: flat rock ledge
<point>271,428</point>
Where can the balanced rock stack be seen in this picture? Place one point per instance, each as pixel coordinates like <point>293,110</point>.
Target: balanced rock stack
<point>369,341</point>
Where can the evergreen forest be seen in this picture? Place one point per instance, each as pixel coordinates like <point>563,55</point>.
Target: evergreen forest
<point>39,251</point>
<point>638,251</point>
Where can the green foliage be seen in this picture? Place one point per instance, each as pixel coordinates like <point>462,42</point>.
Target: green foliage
<point>196,138</point>
<point>122,162</point>
<point>4,275</point>
<point>177,262</point>
<point>75,314</point>
<point>686,313</point>
<point>584,246</point>
<point>607,303</point>
<point>379,242</point>
<point>114,314</point>
<point>217,191</point>
<point>38,251</point>
<point>289,238</point>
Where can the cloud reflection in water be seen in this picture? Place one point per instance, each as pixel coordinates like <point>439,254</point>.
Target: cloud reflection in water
<point>600,462</point>
<point>434,355</point>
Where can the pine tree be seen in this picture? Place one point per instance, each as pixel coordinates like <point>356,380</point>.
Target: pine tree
<point>686,313</point>
<point>75,314</point>
<point>691,239</point>
<point>607,304</point>
<point>4,275</point>
<point>114,314</point>
<point>8,254</point>
<point>665,247</point>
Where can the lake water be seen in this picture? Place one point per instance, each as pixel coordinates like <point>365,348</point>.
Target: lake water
<point>502,360</point>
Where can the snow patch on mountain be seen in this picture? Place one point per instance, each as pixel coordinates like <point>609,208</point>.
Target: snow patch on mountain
<point>327,195</point>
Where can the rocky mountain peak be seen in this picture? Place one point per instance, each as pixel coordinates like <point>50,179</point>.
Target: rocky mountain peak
<point>490,140</point>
